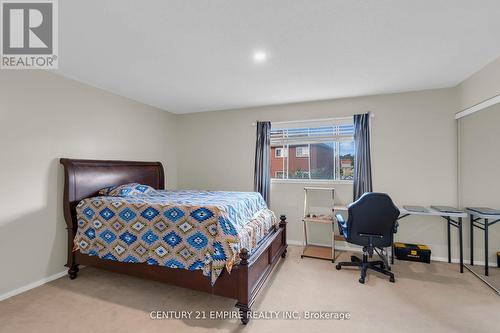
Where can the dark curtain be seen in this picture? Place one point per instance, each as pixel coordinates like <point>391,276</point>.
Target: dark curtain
<point>362,158</point>
<point>262,178</point>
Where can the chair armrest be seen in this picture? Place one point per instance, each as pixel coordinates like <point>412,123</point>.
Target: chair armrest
<point>342,225</point>
<point>396,225</point>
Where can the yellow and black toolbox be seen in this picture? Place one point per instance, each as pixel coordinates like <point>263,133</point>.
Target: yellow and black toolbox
<point>412,252</point>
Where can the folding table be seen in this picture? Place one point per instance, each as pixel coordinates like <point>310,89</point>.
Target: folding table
<point>451,215</point>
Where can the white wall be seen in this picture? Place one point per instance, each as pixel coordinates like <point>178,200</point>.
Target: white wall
<point>44,117</point>
<point>481,86</point>
<point>413,150</point>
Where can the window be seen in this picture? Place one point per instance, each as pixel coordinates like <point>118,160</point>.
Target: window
<point>302,151</point>
<point>280,152</point>
<point>279,174</point>
<point>318,150</point>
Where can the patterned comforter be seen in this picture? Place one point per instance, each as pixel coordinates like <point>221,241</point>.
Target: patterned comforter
<point>178,229</point>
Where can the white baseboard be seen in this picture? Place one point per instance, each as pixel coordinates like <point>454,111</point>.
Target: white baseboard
<point>344,246</point>
<point>31,285</point>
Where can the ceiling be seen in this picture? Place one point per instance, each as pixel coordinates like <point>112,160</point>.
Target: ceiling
<point>191,56</point>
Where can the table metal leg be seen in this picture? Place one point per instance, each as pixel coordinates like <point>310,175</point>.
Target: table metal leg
<point>333,243</point>
<point>305,234</point>
<point>305,239</point>
<point>471,219</point>
<point>460,234</point>
<point>486,247</point>
<point>449,238</point>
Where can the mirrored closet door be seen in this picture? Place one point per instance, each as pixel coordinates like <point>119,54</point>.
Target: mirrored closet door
<point>479,189</point>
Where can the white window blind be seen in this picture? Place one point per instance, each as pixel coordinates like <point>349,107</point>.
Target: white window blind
<point>337,130</point>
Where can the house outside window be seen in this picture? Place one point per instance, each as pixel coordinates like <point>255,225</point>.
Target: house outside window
<point>302,151</point>
<point>279,175</point>
<point>313,150</point>
<point>280,152</point>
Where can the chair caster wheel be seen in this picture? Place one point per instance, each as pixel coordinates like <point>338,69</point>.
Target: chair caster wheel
<point>362,281</point>
<point>338,267</point>
<point>391,279</point>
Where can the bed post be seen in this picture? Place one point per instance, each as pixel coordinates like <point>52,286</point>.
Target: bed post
<point>283,225</point>
<point>243,300</point>
<point>70,217</point>
<point>71,262</point>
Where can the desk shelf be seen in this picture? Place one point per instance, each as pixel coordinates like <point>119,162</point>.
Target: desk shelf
<point>317,252</point>
<point>318,220</point>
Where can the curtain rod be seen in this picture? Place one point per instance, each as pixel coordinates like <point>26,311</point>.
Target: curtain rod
<point>312,120</point>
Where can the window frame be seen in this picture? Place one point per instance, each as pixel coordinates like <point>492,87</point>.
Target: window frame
<point>276,173</point>
<point>302,155</point>
<point>338,136</point>
<point>283,150</point>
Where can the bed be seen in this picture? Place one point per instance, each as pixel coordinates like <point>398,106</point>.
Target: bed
<point>239,277</point>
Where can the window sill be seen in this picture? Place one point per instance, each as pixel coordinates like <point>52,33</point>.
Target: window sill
<point>311,181</point>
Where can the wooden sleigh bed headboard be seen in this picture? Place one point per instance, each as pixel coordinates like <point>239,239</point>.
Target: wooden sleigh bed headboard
<point>84,178</point>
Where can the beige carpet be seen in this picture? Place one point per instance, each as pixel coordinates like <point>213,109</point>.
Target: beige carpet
<point>425,298</point>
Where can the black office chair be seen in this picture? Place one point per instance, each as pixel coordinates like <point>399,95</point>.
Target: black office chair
<point>371,224</point>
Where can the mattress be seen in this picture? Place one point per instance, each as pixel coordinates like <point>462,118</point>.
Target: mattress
<point>193,230</point>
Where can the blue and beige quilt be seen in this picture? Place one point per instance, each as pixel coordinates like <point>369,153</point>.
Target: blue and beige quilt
<point>190,230</point>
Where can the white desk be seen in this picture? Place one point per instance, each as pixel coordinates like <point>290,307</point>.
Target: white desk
<point>452,219</point>
<point>430,212</point>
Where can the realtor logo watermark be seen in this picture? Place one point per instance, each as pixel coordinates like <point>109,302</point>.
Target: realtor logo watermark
<point>29,35</point>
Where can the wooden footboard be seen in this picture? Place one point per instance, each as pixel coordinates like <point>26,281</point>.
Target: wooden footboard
<point>254,270</point>
<point>243,283</point>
